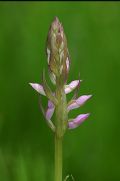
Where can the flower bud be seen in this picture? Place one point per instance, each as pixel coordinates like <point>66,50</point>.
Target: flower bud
<point>57,51</point>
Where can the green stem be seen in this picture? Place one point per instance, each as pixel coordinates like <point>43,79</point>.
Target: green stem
<point>58,159</point>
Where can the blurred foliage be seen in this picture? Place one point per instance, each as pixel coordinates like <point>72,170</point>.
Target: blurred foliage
<point>92,151</point>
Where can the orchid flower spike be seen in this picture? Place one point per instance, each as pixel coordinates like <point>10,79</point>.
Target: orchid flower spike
<point>58,67</point>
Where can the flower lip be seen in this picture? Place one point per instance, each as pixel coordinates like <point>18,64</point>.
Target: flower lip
<point>78,102</point>
<point>82,99</point>
<point>50,110</point>
<point>38,88</point>
<point>71,86</point>
<point>77,121</point>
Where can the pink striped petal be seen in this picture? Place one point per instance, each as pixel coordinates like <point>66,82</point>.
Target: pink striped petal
<point>38,88</point>
<point>78,102</point>
<point>50,110</point>
<point>70,87</point>
<point>77,121</point>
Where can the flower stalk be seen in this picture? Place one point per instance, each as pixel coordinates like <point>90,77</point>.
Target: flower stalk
<point>58,159</point>
<point>58,66</point>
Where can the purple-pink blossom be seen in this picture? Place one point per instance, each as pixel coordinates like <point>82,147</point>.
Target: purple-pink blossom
<point>58,59</point>
<point>74,123</point>
<point>73,104</point>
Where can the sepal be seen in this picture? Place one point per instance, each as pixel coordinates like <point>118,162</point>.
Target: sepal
<point>48,91</point>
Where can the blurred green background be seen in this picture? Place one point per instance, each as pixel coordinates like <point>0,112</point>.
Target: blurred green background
<point>92,151</point>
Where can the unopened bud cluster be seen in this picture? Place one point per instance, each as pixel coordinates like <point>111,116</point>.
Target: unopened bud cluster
<point>57,51</point>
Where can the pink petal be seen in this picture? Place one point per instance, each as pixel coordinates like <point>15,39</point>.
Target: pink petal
<point>50,110</point>
<point>78,102</point>
<point>82,99</point>
<point>77,121</point>
<point>70,87</point>
<point>73,105</point>
<point>38,88</point>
